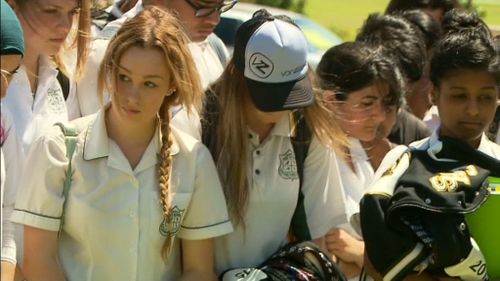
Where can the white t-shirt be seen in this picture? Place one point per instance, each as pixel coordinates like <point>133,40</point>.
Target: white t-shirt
<point>32,115</point>
<point>274,190</point>
<point>113,214</point>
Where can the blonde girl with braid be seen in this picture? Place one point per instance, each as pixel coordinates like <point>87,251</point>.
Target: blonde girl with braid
<point>138,184</point>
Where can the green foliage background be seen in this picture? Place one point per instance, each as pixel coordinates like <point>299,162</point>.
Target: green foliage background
<point>345,17</point>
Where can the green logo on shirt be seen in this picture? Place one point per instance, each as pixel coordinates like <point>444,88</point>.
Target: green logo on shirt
<point>288,166</point>
<point>55,101</point>
<point>171,223</point>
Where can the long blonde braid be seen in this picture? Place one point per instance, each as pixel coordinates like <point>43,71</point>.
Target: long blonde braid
<point>164,173</point>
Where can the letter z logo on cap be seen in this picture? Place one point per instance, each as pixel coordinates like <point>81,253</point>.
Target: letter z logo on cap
<point>261,66</point>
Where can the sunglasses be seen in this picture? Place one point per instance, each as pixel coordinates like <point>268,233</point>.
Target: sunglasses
<point>207,11</point>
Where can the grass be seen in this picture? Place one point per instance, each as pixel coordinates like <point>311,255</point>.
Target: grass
<point>345,18</point>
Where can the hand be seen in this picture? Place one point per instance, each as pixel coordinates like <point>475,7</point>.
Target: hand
<point>345,247</point>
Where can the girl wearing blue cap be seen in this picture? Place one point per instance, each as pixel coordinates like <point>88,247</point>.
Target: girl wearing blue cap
<point>12,50</point>
<point>251,120</point>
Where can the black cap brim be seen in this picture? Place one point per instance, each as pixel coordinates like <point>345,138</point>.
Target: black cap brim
<point>270,97</point>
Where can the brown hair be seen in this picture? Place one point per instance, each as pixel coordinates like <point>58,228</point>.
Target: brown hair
<point>158,29</point>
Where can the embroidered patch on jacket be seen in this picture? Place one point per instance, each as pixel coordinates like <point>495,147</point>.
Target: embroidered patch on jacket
<point>450,182</point>
<point>172,223</point>
<point>288,167</point>
<point>55,101</point>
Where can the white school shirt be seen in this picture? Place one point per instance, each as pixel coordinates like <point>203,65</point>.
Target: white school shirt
<point>33,115</point>
<point>12,168</point>
<point>274,190</point>
<point>354,183</point>
<point>113,213</point>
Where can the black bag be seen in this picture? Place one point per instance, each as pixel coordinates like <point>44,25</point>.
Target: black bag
<point>298,261</point>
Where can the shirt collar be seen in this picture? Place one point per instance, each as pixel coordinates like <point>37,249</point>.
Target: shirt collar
<point>281,129</point>
<point>484,145</point>
<point>97,142</point>
<point>435,145</point>
<point>96,138</point>
<point>115,9</point>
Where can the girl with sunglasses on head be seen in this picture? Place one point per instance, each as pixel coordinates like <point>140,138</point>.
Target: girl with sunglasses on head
<point>144,201</point>
<point>360,84</point>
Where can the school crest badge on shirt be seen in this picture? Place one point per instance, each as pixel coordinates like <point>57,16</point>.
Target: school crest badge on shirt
<point>288,166</point>
<point>172,223</point>
<point>55,101</point>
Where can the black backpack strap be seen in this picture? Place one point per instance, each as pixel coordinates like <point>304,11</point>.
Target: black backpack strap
<point>64,82</point>
<point>210,114</point>
<point>301,139</point>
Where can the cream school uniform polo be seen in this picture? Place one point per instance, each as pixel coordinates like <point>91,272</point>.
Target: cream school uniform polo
<point>113,213</point>
<point>274,190</point>
<point>32,115</point>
